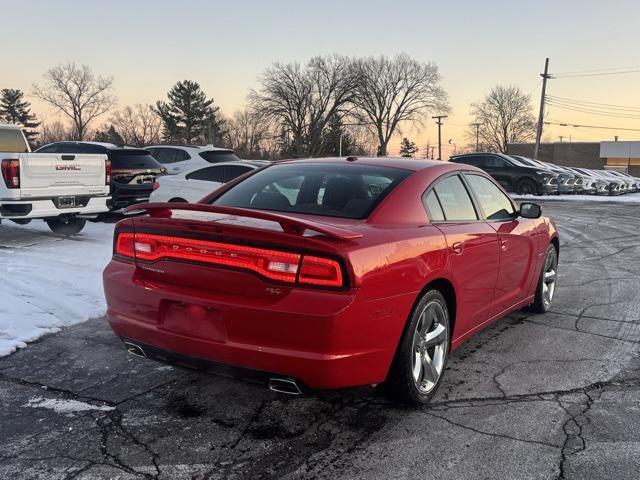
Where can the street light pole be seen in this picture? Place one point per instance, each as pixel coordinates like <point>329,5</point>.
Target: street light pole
<point>477,125</point>
<point>439,123</point>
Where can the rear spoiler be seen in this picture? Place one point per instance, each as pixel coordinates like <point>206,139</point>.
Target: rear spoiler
<point>288,224</point>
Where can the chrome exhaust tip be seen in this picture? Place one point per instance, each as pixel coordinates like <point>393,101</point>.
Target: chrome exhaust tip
<point>284,385</point>
<point>134,349</point>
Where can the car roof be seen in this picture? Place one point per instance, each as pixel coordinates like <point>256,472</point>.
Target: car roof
<point>243,163</point>
<point>202,148</point>
<point>105,145</point>
<point>413,164</point>
<point>11,125</point>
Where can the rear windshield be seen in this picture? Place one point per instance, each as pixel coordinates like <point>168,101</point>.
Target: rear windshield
<point>133,159</point>
<point>349,191</point>
<point>213,156</point>
<point>12,141</point>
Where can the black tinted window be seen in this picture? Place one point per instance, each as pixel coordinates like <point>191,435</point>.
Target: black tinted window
<point>12,141</point>
<point>49,149</point>
<point>455,200</point>
<point>434,209</point>
<point>476,160</point>
<point>234,171</point>
<point>133,159</point>
<point>217,156</point>
<point>208,174</point>
<point>494,202</point>
<point>496,162</point>
<point>350,191</point>
<point>166,155</point>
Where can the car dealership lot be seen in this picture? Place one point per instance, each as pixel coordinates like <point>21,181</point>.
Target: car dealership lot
<point>546,396</point>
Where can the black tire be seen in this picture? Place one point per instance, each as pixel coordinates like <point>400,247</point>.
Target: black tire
<point>542,301</point>
<point>66,226</point>
<point>178,200</point>
<point>401,383</point>
<point>526,186</point>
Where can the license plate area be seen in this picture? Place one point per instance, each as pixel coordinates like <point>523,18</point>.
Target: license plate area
<point>66,202</point>
<point>192,320</point>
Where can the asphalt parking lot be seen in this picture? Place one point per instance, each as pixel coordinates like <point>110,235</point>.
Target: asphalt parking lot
<point>532,397</point>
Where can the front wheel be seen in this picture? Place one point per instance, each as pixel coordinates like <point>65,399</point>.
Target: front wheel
<point>547,281</point>
<point>422,354</point>
<point>526,186</point>
<point>67,225</point>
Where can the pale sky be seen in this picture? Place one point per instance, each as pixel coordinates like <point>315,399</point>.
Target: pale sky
<point>224,45</point>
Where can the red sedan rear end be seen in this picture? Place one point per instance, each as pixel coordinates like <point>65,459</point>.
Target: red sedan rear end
<point>314,274</point>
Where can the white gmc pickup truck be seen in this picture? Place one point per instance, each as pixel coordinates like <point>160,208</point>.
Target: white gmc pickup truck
<point>61,189</point>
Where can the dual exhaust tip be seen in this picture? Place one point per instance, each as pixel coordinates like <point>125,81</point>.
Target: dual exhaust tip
<point>287,386</point>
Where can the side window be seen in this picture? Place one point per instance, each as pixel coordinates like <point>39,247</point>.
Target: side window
<point>208,174</point>
<point>455,200</point>
<point>234,171</point>
<point>164,155</point>
<point>496,162</point>
<point>494,202</point>
<point>181,155</point>
<point>49,149</point>
<point>432,204</point>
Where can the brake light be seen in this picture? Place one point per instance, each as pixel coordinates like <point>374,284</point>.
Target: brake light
<point>272,264</point>
<point>107,172</point>
<point>11,172</point>
<point>156,185</point>
<point>320,271</point>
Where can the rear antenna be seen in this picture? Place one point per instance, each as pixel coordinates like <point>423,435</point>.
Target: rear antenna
<point>351,159</point>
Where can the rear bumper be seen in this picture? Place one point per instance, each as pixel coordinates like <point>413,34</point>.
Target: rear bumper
<point>322,339</point>
<point>124,195</point>
<point>47,208</point>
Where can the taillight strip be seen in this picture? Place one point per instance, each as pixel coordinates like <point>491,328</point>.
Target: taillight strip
<point>273,264</point>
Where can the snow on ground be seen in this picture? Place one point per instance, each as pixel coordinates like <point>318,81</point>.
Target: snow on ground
<point>65,406</point>
<point>48,281</point>
<point>628,198</point>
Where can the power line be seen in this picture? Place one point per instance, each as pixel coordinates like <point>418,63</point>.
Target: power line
<point>595,104</point>
<point>592,111</point>
<point>575,125</point>
<point>558,76</point>
<point>607,69</point>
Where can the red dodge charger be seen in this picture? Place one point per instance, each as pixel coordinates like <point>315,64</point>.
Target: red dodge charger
<point>331,273</point>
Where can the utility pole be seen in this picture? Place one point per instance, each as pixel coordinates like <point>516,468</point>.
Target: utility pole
<point>545,76</point>
<point>432,150</point>
<point>477,125</point>
<point>439,123</point>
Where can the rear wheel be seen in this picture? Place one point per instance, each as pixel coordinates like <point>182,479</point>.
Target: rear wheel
<point>547,281</point>
<point>526,186</point>
<point>66,225</point>
<point>422,354</point>
<point>178,200</point>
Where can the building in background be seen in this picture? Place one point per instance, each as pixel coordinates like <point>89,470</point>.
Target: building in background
<point>624,156</point>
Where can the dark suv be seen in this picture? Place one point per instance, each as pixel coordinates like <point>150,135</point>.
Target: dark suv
<point>133,170</point>
<point>513,175</point>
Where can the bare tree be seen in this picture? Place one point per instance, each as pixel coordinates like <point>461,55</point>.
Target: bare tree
<point>392,91</point>
<point>139,125</point>
<point>77,93</point>
<point>247,132</point>
<point>304,97</point>
<point>505,116</point>
<point>53,132</point>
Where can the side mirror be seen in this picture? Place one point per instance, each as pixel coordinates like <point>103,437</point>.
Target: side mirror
<point>530,210</point>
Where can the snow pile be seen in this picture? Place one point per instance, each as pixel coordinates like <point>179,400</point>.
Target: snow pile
<point>65,406</point>
<point>48,281</point>
<point>628,198</point>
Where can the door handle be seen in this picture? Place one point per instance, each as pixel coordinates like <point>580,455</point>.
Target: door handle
<point>458,248</point>
<point>504,244</point>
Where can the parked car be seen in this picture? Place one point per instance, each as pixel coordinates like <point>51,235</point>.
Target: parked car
<point>630,182</point>
<point>566,178</point>
<point>62,190</point>
<point>195,184</point>
<point>180,158</point>
<point>511,174</point>
<point>286,275</point>
<point>133,170</point>
<point>601,185</point>
<point>616,185</point>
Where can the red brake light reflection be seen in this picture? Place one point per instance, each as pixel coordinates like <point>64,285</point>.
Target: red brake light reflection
<point>320,271</point>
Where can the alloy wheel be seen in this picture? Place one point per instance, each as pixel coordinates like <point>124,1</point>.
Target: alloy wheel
<point>549,278</point>
<point>429,347</point>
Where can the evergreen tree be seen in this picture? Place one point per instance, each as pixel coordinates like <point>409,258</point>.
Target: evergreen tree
<point>331,139</point>
<point>108,135</point>
<point>407,148</point>
<point>188,116</point>
<point>14,109</point>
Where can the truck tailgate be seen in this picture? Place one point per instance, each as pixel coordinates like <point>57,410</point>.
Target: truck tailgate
<point>51,174</point>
